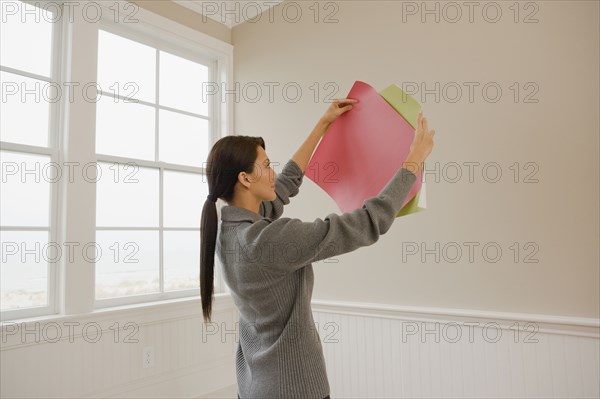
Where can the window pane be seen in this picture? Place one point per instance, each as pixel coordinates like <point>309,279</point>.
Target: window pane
<point>126,67</point>
<point>26,37</point>
<point>128,264</point>
<point>181,260</point>
<point>24,268</point>
<point>182,139</point>
<point>25,189</point>
<point>24,109</point>
<point>181,84</point>
<point>182,199</point>
<point>127,195</point>
<point>125,129</point>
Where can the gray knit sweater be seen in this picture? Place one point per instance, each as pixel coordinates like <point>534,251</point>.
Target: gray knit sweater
<point>267,264</point>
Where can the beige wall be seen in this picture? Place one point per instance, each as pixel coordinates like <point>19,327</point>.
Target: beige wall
<point>370,42</point>
<point>187,17</point>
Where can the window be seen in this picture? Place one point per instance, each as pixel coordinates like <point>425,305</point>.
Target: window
<point>148,142</point>
<point>152,138</point>
<point>28,130</point>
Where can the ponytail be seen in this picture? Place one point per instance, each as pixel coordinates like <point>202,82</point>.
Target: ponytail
<point>229,156</point>
<point>208,239</point>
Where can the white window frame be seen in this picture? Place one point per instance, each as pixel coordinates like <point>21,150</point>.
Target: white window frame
<point>73,215</point>
<point>53,152</point>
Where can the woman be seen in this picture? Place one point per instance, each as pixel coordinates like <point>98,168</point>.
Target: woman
<point>267,260</point>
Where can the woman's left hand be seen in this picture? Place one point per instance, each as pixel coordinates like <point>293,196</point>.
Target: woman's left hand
<point>337,108</point>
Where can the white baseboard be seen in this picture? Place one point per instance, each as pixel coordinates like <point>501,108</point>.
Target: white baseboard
<point>229,392</point>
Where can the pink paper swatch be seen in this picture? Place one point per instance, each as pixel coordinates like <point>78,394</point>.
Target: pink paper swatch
<point>362,150</point>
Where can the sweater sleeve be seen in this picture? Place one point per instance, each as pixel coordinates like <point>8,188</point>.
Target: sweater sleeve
<point>287,185</point>
<point>287,244</point>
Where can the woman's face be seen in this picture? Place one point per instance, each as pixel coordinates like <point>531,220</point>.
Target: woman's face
<point>263,178</point>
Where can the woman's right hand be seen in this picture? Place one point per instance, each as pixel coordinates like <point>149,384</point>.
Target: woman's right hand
<point>421,145</point>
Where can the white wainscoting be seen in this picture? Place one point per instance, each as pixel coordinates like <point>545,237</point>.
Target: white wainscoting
<point>77,367</point>
<point>367,356</point>
<point>365,353</point>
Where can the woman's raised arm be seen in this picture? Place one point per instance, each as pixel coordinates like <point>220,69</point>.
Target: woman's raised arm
<point>337,108</point>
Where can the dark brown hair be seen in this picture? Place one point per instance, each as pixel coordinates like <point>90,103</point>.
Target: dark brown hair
<point>227,158</point>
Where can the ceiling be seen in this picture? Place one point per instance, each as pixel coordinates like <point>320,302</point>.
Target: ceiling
<point>228,12</point>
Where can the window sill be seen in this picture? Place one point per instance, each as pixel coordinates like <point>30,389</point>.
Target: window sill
<point>169,309</point>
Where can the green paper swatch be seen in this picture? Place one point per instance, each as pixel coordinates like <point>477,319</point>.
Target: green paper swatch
<point>406,106</point>
<point>409,108</point>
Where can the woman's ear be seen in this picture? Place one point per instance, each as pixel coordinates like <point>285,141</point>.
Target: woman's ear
<point>242,177</point>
